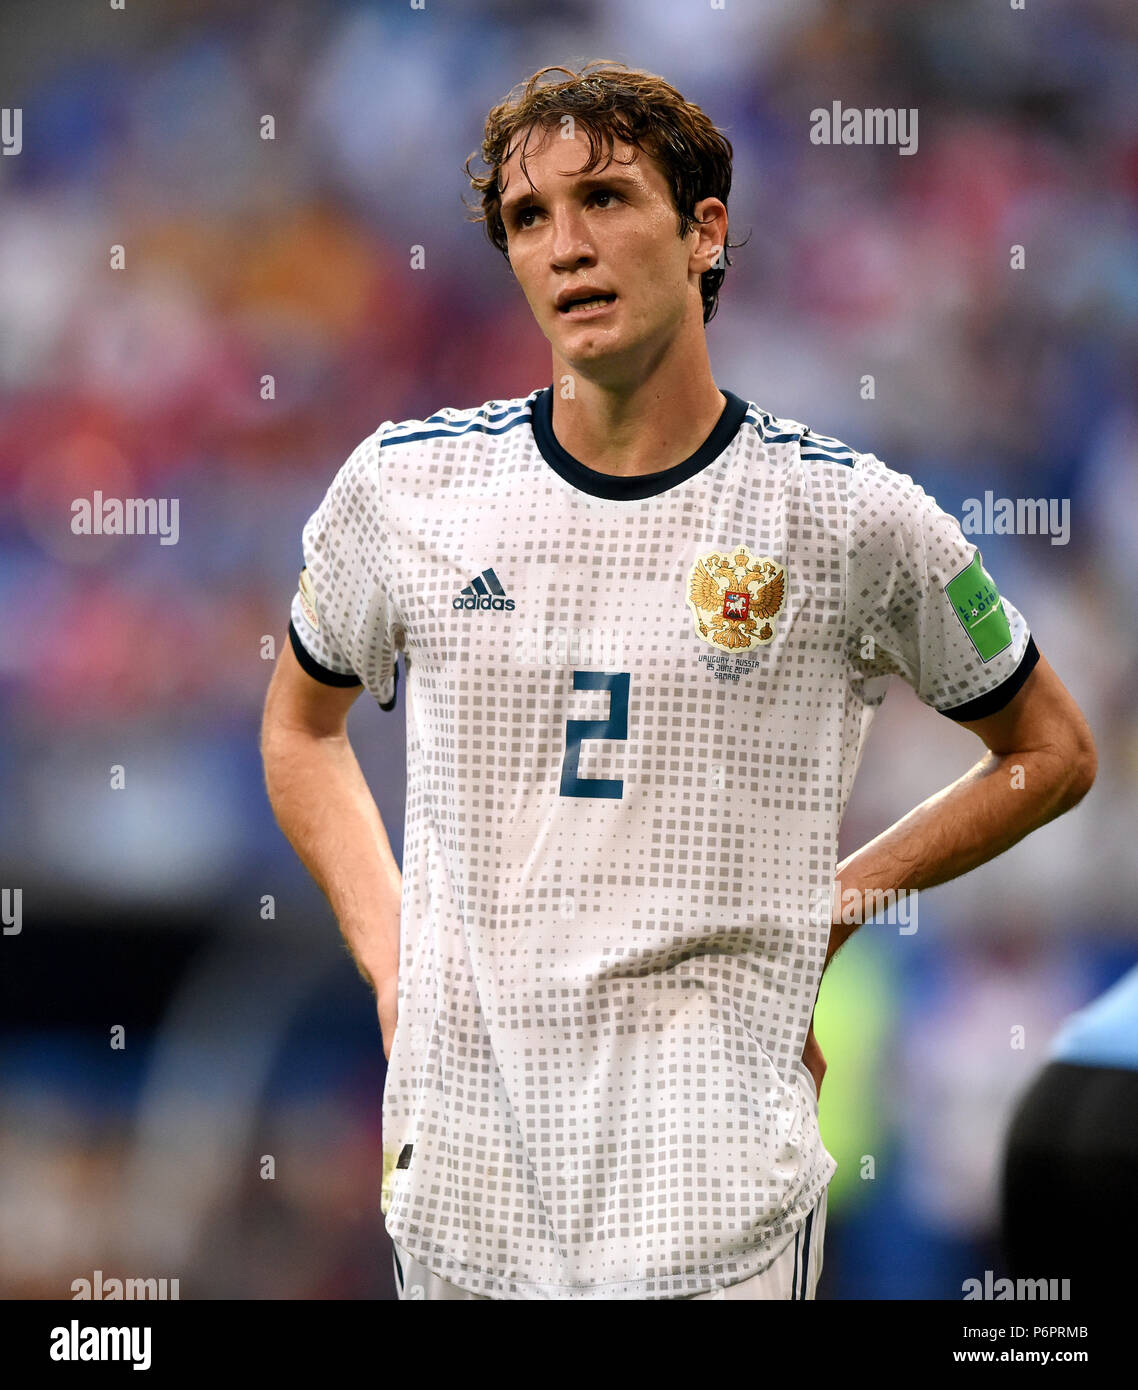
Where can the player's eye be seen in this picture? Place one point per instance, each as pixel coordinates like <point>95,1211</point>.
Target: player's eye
<point>521,217</point>
<point>520,220</point>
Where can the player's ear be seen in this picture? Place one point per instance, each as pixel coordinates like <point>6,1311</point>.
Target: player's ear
<point>711,225</point>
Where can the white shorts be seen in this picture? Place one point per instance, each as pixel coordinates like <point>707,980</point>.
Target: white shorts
<point>793,1274</point>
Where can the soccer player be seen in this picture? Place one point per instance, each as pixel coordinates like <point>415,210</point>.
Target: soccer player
<point>645,625</point>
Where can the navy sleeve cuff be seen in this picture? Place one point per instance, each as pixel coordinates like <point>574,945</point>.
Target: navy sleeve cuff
<point>1003,694</point>
<point>313,668</point>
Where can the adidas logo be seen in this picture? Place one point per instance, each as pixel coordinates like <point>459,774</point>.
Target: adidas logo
<point>484,591</point>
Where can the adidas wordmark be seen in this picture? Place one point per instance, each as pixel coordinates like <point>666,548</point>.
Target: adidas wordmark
<point>484,591</point>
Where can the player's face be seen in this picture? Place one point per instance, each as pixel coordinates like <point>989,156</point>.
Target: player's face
<point>613,230</point>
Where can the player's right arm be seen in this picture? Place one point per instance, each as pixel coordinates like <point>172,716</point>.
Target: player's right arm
<point>324,806</point>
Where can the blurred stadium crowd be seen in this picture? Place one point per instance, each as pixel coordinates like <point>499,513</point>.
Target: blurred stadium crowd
<point>248,1034</point>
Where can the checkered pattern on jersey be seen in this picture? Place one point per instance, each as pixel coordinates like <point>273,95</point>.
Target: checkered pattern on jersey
<point>604,998</point>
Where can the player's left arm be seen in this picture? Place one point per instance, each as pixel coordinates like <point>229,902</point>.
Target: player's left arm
<point>1041,761</point>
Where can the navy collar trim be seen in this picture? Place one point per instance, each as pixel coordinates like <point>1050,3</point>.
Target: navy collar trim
<point>638,485</point>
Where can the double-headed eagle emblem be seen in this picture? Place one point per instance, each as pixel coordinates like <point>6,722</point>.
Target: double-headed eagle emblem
<point>735,597</point>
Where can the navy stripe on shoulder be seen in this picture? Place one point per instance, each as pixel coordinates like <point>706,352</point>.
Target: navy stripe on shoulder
<point>813,456</point>
<point>452,415</point>
<point>455,423</point>
<point>473,428</point>
<point>824,448</point>
<point>813,447</point>
<point>772,428</point>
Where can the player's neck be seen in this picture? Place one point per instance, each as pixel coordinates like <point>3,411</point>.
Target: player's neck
<point>645,427</point>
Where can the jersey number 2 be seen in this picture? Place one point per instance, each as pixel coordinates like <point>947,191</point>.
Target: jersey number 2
<point>615,726</point>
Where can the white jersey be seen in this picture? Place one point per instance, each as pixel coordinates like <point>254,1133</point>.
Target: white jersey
<point>635,707</point>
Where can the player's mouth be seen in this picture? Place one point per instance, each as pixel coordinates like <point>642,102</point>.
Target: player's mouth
<point>585,306</point>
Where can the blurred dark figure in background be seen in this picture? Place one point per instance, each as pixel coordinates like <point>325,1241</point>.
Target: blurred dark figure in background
<point>1072,1153</point>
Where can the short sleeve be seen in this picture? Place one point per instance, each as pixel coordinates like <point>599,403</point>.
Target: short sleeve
<point>343,627</point>
<point>921,605</point>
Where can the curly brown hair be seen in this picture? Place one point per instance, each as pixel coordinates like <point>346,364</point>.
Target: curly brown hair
<point>610,100</point>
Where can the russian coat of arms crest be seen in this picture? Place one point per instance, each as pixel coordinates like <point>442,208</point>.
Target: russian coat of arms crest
<point>735,597</point>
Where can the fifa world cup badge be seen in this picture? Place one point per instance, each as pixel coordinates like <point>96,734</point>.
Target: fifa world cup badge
<point>735,598</point>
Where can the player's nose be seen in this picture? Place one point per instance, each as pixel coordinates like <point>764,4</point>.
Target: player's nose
<point>569,244</point>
